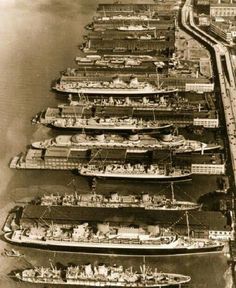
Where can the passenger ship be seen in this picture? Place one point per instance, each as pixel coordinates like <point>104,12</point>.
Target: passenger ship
<point>140,142</point>
<point>114,200</point>
<point>116,87</point>
<point>136,171</point>
<point>109,123</point>
<point>106,238</point>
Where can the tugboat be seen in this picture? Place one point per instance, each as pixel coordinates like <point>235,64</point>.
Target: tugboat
<point>116,87</point>
<point>11,253</point>
<point>102,275</point>
<point>116,239</point>
<point>109,123</point>
<point>136,171</point>
<point>114,200</point>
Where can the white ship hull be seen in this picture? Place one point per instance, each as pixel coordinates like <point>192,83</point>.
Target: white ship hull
<point>118,247</point>
<point>115,91</point>
<point>139,146</point>
<point>140,176</point>
<point>106,283</point>
<point>110,126</point>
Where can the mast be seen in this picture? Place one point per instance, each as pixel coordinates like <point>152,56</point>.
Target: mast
<point>158,80</point>
<point>187,222</point>
<point>172,191</point>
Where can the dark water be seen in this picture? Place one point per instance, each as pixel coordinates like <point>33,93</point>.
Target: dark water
<point>39,39</point>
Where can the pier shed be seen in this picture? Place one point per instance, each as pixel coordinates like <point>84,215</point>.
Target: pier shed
<point>202,223</point>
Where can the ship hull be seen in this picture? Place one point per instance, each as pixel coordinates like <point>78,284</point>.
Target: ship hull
<point>111,128</point>
<point>104,248</point>
<point>106,284</point>
<point>115,91</point>
<point>140,177</point>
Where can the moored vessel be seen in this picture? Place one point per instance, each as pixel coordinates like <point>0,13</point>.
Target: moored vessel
<point>135,171</point>
<point>109,123</point>
<point>141,142</point>
<point>110,238</point>
<point>115,87</point>
<point>114,200</point>
<point>103,276</point>
<point>136,28</point>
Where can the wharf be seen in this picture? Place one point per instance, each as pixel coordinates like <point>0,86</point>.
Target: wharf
<point>141,46</point>
<point>186,117</point>
<point>168,34</point>
<point>69,159</point>
<point>203,224</point>
<point>137,8</point>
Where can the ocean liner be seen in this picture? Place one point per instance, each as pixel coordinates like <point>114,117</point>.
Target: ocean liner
<point>115,87</point>
<point>107,238</point>
<point>140,142</point>
<point>136,171</point>
<point>109,123</point>
<point>136,28</point>
<point>114,200</point>
<point>158,102</point>
<point>102,275</point>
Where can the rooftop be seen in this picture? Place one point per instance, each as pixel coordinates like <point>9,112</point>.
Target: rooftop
<point>209,220</point>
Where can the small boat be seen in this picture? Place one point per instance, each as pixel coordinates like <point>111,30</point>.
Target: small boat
<point>12,253</point>
<point>102,275</point>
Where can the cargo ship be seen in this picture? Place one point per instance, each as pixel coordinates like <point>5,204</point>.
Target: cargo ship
<point>102,275</point>
<point>140,142</point>
<point>136,171</point>
<point>109,123</point>
<point>106,238</point>
<point>115,87</point>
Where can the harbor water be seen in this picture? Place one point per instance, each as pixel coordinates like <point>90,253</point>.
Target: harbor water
<point>39,39</point>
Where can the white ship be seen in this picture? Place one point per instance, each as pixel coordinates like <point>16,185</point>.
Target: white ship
<point>136,171</point>
<point>141,142</point>
<point>113,123</point>
<point>136,28</point>
<point>114,200</point>
<point>124,17</point>
<point>115,87</point>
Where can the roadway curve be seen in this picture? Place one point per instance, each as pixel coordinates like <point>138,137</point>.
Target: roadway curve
<point>225,72</point>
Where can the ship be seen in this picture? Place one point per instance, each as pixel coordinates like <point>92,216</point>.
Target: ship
<point>139,142</point>
<point>124,17</point>
<point>134,171</point>
<point>114,200</point>
<point>102,275</point>
<point>108,123</point>
<point>136,28</point>
<point>115,239</point>
<point>114,87</point>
